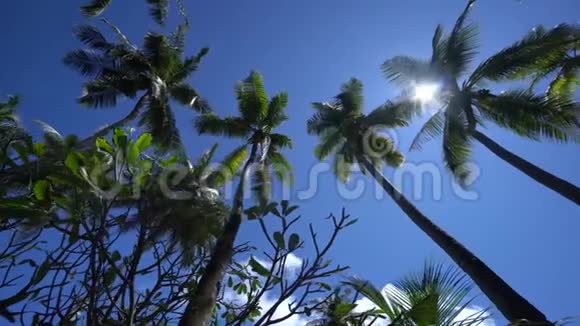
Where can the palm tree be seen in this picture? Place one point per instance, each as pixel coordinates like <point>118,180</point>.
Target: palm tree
<point>158,9</point>
<point>464,108</point>
<point>195,213</point>
<point>153,74</point>
<point>11,132</point>
<point>561,66</point>
<point>352,137</point>
<point>436,296</point>
<point>255,124</point>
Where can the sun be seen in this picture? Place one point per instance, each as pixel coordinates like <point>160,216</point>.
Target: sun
<point>425,92</point>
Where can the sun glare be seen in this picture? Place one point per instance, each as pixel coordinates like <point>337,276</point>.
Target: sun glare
<point>425,92</point>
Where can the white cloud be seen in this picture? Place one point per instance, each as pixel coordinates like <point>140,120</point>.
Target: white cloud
<point>293,263</point>
<point>281,311</point>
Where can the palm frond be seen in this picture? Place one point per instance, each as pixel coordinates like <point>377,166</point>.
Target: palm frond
<point>564,84</point>
<point>189,65</point>
<point>187,96</point>
<point>343,163</point>
<point>539,51</point>
<point>370,292</point>
<point>204,162</point>
<point>445,289</point>
<point>252,98</point>
<point>281,167</point>
<point>88,62</point>
<point>99,94</point>
<point>460,46</point>
<point>461,50</point>
<point>456,148</point>
<point>431,129</point>
<point>229,126</point>
<point>437,49</point>
<point>177,38</point>
<point>95,7</point>
<point>388,115</point>
<point>327,116</point>
<point>351,97</point>
<point>92,37</point>
<point>158,10</point>
<point>407,71</point>
<point>435,296</point>
<point>280,141</point>
<point>159,121</point>
<point>276,114</point>
<point>529,115</point>
<point>161,55</point>
<point>330,141</point>
<point>7,110</point>
<point>228,168</point>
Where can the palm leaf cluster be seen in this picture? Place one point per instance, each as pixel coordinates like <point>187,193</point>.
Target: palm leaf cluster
<point>348,134</point>
<point>155,73</point>
<point>158,9</point>
<point>10,129</point>
<point>436,296</point>
<point>258,116</point>
<point>463,107</point>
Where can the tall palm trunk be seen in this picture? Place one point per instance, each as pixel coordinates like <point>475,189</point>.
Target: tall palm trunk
<point>200,306</point>
<point>550,181</point>
<point>512,305</point>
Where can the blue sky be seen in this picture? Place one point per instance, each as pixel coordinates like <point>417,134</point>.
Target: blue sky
<point>526,233</point>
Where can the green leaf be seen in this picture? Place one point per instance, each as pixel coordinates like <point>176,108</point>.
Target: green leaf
<point>343,309</point>
<point>132,153</point>
<point>276,212</point>
<point>104,145</point>
<point>284,204</point>
<point>38,149</point>
<point>293,241</point>
<point>41,189</point>
<point>258,268</point>
<point>116,256</point>
<point>230,282</point>
<point>41,271</point>
<point>109,277</point>
<point>22,153</point>
<point>279,238</point>
<point>287,211</point>
<point>143,142</point>
<point>72,162</point>
<point>120,138</point>
<point>324,286</point>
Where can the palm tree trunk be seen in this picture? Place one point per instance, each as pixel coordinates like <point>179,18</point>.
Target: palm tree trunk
<point>550,181</point>
<point>512,305</point>
<point>200,306</point>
